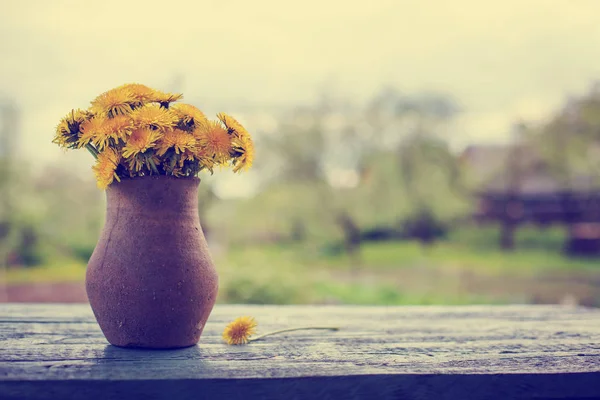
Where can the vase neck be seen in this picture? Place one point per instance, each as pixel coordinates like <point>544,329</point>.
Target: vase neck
<point>151,194</point>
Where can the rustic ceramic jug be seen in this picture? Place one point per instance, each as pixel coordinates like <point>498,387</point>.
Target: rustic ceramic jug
<point>151,281</point>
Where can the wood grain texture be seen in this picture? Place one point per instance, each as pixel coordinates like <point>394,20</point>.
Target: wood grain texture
<point>462,352</point>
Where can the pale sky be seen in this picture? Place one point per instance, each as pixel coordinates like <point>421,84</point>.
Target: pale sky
<point>500,59</point>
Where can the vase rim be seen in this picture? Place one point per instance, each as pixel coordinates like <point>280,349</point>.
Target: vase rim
<point>157,177</point>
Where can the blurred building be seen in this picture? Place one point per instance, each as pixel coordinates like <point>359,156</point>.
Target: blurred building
<point>516,186</point>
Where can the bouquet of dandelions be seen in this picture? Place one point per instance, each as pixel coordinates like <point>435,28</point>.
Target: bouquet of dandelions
<point>133,131</point>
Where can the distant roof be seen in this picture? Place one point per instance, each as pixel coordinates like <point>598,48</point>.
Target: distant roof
<point>484,161</point>
<point>543,184</point>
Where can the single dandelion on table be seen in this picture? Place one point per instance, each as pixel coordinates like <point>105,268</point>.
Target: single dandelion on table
<point>240,330</point>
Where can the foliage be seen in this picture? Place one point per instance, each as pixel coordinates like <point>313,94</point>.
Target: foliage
<point>359,167</point>
<point>134,130</point>
<point>455,270</point>
<point>568,142</point>
<point>53,213</point>
<point>528,238</point>
<point>423,226</point>
<point>58,270</point>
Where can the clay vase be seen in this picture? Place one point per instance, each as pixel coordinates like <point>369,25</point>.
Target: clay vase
<point>151,281</point>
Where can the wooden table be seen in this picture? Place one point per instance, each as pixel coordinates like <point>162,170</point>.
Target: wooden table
<point>463,352</point>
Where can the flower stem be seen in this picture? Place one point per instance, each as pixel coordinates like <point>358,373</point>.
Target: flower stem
<point>172,165</point>
<point>92,150</point>
<point>329,328</point>
<point>151,162</point>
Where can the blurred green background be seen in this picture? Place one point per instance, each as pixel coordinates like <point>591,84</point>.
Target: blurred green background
<point>377,130</point>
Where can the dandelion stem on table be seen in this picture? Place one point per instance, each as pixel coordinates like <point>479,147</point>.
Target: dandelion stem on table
<point>329,328</point>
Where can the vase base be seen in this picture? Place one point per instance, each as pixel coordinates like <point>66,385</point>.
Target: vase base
<point>137,346</point>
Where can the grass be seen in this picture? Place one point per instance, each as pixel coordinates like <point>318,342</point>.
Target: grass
<point>451,256</point>
<point>386,294</point>
<point>451,272</point>
<point>66,271</point>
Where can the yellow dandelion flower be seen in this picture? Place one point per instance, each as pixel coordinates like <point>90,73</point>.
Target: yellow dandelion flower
<point>119,127</point>
<point>118,101</point>
<point>204,158</point>
<point>214,140</point>
<point>189,154</point>
<point>91,130</point>
<point>176,139</point>
<point>139,141</point>
<point>105,167</point>
<point>242,151</point>
<point>165,98</point>
<point>155,117</point>
<point>242,147</point>
<point>142,93</point>
<point>232,125</point>
<point>189,116</point>
<point>240,330</point>
<point>68,130</point>
<point>103,132</point>
<point>136,130</point>
<point>187,157</point>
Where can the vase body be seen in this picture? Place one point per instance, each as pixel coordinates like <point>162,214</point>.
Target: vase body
<point>151,281</point>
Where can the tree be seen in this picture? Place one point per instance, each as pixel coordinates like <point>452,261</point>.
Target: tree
<point>426,162</point>
<point>332,149</point>
<point>570,140</point>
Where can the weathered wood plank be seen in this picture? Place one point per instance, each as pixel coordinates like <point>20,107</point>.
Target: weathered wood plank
<point>73,312</point>
<point>380,387</point>
<point>436,352</point>
<point>442,387</point>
